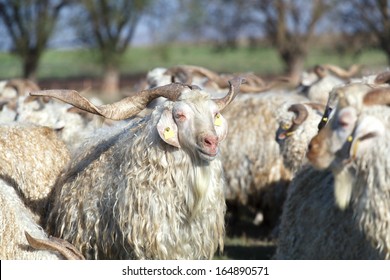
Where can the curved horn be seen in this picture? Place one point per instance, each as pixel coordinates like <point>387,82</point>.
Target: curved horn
<point>342,73</point>
<point>316,106</point>
<point>253,79</point>
<point>120,110</point>
<point>21,85</point>
<point>190,70</point>
<point>55,244</point>
<point>211,75</point>
<point>255,84</point>
<point>380,96</point>
<point>301,113</point>
<point>383,78</point>
<point>250,88</point>
<point>320,71</point>
<point>233,91</point>
<point>183,73</point>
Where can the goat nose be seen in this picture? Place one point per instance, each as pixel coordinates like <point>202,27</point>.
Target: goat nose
<point>210,141</point>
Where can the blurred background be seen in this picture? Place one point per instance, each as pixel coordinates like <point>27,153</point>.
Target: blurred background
<point>109,45</point>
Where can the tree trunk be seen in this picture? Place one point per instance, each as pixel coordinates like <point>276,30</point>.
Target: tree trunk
<point>294,64</point>
<point>30,66</point>
<point>388,58</point>
<point>111,77</point>
<point>386,49</point>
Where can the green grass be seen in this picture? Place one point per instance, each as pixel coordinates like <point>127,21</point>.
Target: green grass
<point>264,60</point>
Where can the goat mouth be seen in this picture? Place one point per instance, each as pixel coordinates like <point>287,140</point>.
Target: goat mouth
<point>207,155</point>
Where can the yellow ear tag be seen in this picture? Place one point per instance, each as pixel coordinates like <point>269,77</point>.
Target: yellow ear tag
<point>354,149</point>
<point>168,133</point>
<point>288,134</point>
<point>350,138</point>
<point>218,120</point>
<point>325,119</point>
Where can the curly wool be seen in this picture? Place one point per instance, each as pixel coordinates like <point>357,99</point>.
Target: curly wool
<point>313,228</point>
<point>253,164</point>
<point>371,195</point>
<point>31,159</point>
<point>132,196</point>
<point>15,219</point>
<point>319,91</point>
<point>359,232</point>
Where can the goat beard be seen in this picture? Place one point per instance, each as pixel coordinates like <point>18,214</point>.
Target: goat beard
<point>200,181</point>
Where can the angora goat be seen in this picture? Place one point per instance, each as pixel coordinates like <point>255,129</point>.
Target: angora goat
<point>152,189</point>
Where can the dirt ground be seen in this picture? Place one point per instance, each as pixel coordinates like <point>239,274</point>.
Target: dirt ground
<point>247,241</point>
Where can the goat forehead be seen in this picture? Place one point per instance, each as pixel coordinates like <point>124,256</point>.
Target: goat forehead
<point>199,105</point>
<point>352,94</point>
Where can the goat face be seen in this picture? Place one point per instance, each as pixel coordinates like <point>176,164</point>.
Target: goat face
<point>346,137</point>
<point>195,125</point>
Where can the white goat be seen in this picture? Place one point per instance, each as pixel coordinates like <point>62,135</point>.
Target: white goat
<point>319,81</point>
<point>152,189</point>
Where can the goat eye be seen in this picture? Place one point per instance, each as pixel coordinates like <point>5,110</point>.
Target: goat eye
<point>180,116</point>
<point>342,123</point>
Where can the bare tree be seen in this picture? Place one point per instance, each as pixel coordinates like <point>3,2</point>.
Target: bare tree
<point>368,17</point>
<point>109,27</point>
<point>290,25</point>
<point>29,24</point>
<point>223,21</point>
<point>229,18</point>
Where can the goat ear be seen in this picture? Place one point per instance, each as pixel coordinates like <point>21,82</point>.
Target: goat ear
<point>221,126</point>
<point>368,129</point>
<point>167,129</point>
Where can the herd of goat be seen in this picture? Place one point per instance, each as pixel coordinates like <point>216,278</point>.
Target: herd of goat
<point>153,175</point>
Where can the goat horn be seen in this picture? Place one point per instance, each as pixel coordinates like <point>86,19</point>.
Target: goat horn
<point>233,92</point>
<point>383,78</point>
<point>120,110</point>
<point>301,113</point>
<point>316,106</point>
<point>255,89</point>
<point>380,96</point>
<point>320,71</point>
<point>202,71</point>
<point>211,75</point>
<point>55,244</point>
<point>21,85</point>
<point>342,73</point>
<point>190,70</point>
<point>180,71</point>
<point>253,80</point>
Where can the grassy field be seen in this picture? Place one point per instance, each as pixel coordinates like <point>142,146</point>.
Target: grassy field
<point>264,61</point>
